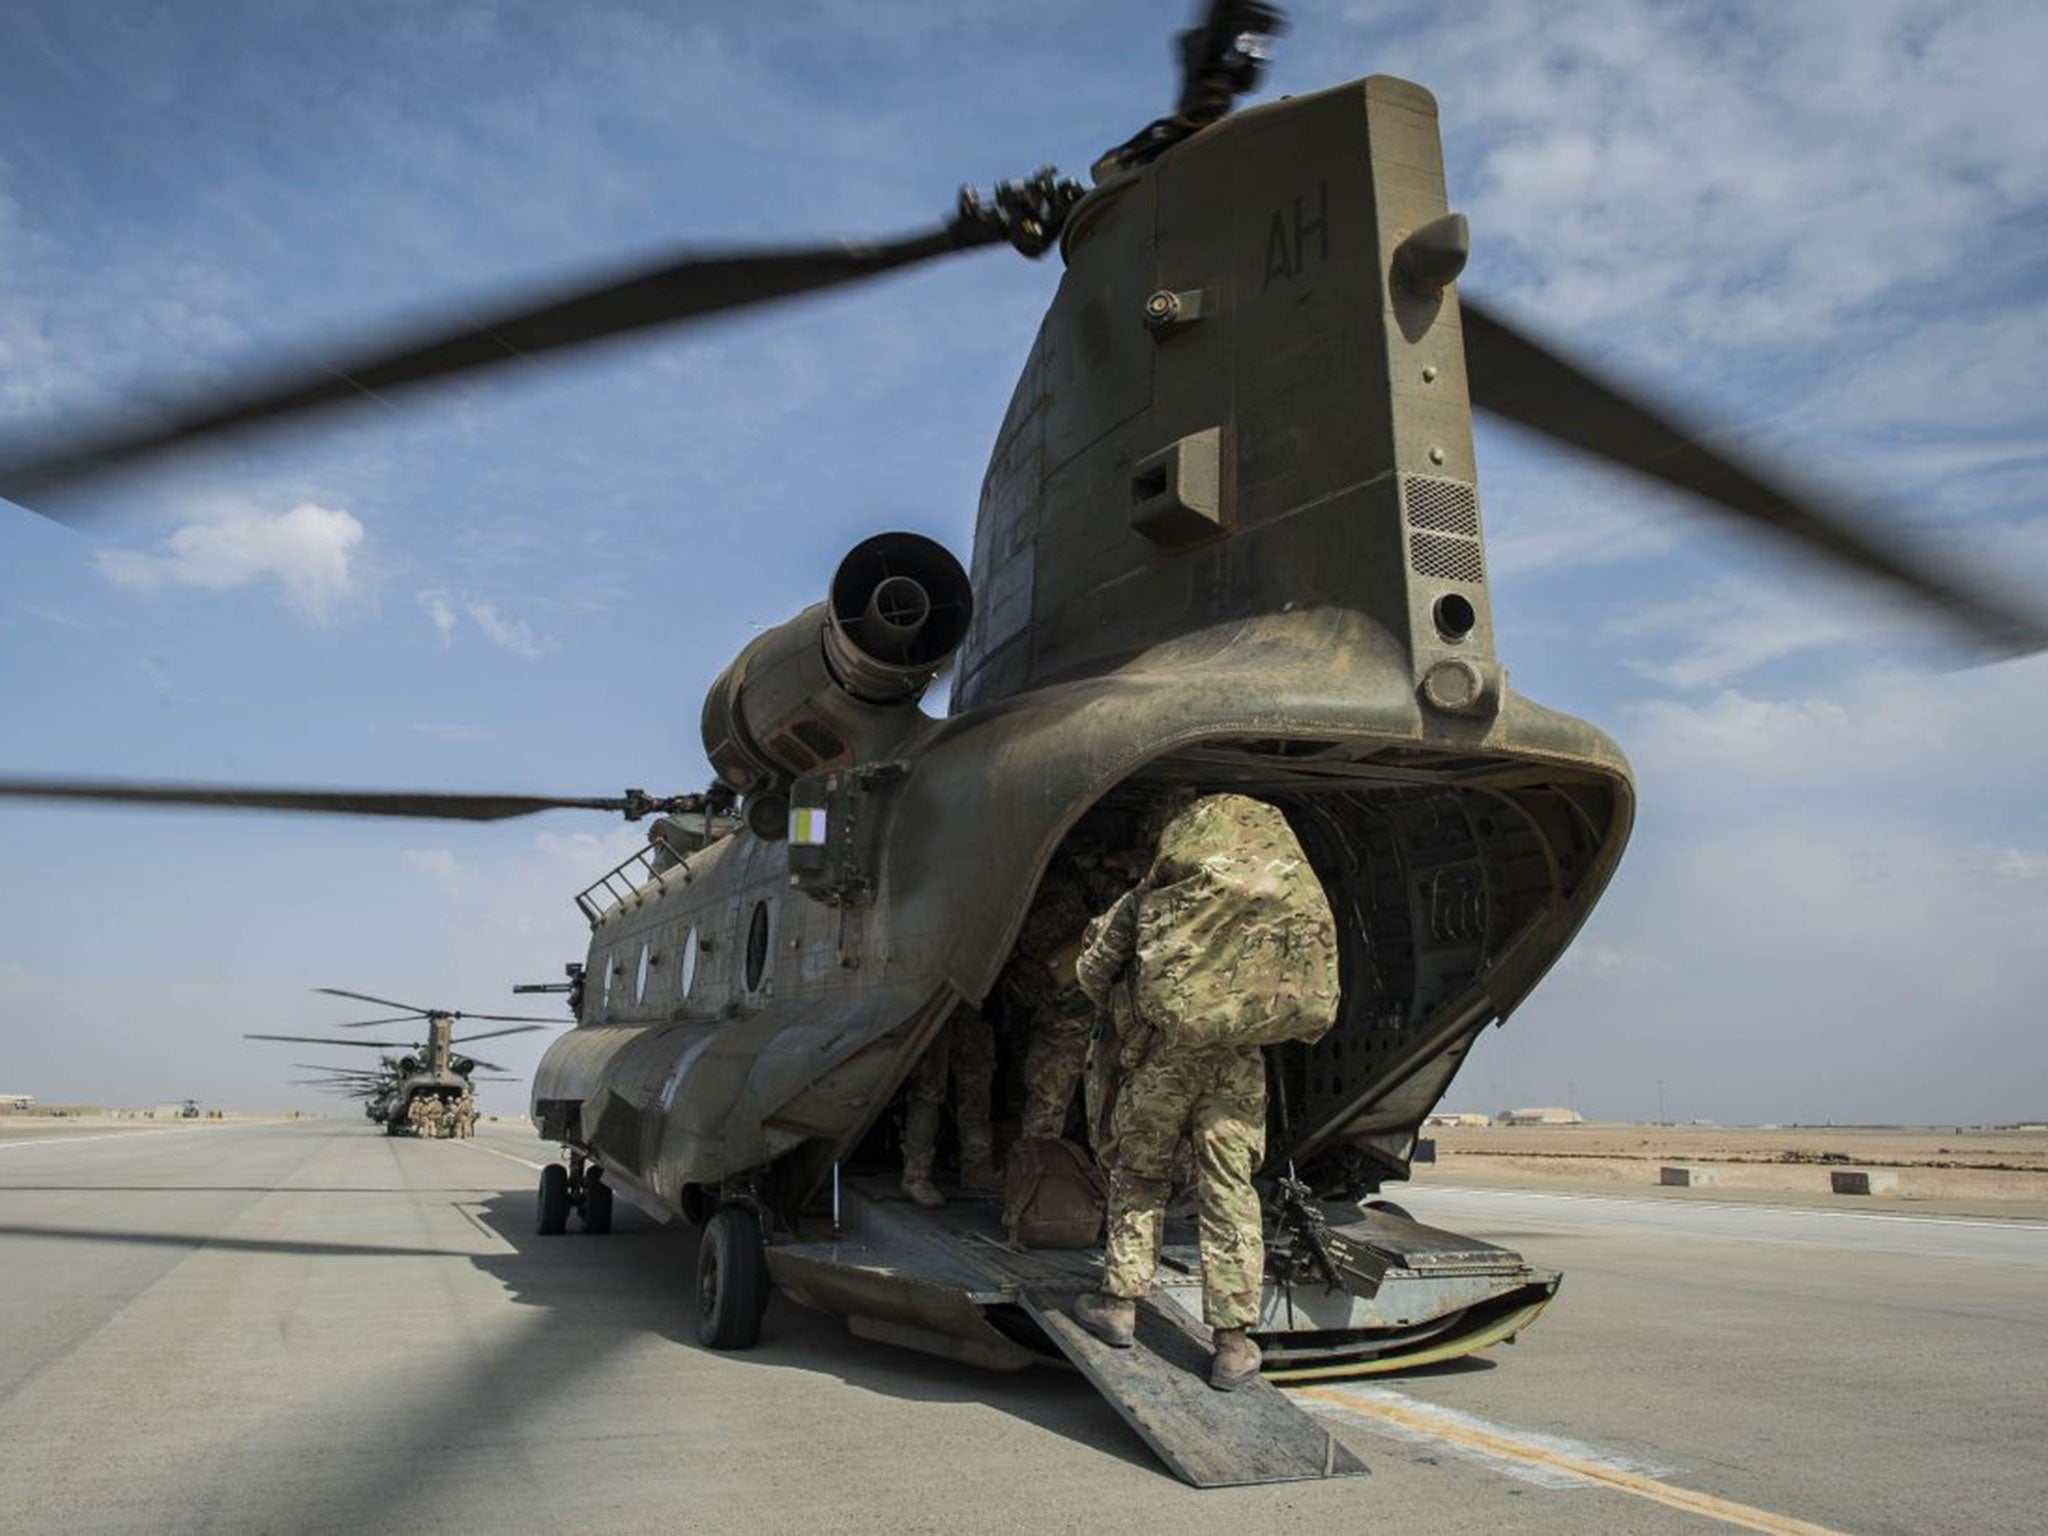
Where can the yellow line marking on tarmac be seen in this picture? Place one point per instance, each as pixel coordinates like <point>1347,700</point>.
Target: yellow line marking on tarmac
<point>508,1156</point>
<point>1417,1420</point>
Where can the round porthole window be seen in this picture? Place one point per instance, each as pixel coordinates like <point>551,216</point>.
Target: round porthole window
<point>757,946</point>
<point>689,961</point>
<point>640,979</point>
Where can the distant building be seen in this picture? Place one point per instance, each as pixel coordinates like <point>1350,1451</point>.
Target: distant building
<point>17,1101</point>
<point>1456,1121</point>
<point>1539,1117</point>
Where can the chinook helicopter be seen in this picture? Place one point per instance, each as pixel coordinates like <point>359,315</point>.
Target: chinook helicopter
<point>431,1068</point>
<point>1230,538</point>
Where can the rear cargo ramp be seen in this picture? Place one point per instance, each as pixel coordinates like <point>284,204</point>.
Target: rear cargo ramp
<point>1160,1387</point>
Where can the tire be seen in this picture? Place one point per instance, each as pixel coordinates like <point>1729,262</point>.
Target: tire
<point>597,1205</point>
<point>552,1209</point>
<point>1388,1208</point>
<point>732,1280</point>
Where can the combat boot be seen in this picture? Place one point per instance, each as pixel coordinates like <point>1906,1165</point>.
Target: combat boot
<point>978,1175</point>
<point>1111,1319</point>
<point>920,1135</point>
<point>1237,1360</point>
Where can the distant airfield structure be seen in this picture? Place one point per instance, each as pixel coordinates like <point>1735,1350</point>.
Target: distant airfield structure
<point>1548,1116</point>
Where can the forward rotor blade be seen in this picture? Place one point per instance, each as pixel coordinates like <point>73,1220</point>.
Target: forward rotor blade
<point>368,1045</point>
<point>339,802</point>
<point>381,1002</point>
<point>1524,381</point>
<point>403,1018</point>
<point>511,1018</point>
<point>492,1034</point>
<point>677,288</point>
<point>490,1066</point>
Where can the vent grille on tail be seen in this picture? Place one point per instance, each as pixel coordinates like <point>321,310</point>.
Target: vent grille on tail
<point>1443,528</point>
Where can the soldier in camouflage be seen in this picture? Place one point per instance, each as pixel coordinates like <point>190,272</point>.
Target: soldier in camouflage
<point>965,1053</point>
<point>1041,992</point>
<point>1212,1094</point>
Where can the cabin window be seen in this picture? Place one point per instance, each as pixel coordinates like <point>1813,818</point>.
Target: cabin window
<point>757,946</point>
<point>611,969</point>
<point>640,979</point>
<point>689,961</point>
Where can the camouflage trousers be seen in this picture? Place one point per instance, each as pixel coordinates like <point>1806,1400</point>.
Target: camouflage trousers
<point>965,1053</point>
<point>1217,1100</point>
<point>1053,1061</point>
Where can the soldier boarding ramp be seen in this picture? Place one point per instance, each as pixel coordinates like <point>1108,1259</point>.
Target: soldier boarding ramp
<point>1390,1294</point>
<point>1160,1387</point>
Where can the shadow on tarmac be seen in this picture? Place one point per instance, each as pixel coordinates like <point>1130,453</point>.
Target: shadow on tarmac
<point>197,1240</point>
<point>644,1275</point>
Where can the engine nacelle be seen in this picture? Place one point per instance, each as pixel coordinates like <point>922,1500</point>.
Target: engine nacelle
<point>839,681</point>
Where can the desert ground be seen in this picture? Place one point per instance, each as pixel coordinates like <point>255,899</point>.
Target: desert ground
<point>1951,1170</point>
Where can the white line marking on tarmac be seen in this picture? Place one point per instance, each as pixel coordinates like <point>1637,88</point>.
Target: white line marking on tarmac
<point>59,1139</point>
<point>1421,1191</point>
<point>1548,1460</point>
<point>508,1156</point>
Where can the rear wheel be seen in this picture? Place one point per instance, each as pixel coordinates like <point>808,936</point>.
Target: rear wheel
<point>552,1212</point>
<point>597,1204</point>
<point>732,1280</point>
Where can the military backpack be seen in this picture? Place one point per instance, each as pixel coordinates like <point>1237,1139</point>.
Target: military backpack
<point>1236,943</point>
<point>1052,1195</point>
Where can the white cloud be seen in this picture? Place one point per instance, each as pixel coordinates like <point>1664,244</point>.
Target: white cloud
<point>443,616</point>
<point>1738,625</point>
<point>309,551</point>
<point>438,864</point>
<point>503,631</point>
<point>514,635</point>
<point>1750,173</point>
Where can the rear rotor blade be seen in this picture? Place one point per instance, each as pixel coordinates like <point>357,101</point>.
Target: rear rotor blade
<point>509,1018</point>
<point>341,802</point>
<point>492,1034</point>
<point>368,1045</point>
<point>381,1002</point>
<point>678,288</point>
<point>403,1018</point>
<point>1526,382</point>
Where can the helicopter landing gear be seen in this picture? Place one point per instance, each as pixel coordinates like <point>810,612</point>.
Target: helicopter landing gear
<point>596,1202</point>
<point>552,1208</point>
<point>732,1280</point>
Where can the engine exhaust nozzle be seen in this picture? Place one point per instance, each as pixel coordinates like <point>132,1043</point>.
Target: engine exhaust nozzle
<point>896,611</point>
<point>900,605</point>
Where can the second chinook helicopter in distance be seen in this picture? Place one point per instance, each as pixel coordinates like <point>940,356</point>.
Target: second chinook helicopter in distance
<point>429,1068</point>
<point>1230,538</point>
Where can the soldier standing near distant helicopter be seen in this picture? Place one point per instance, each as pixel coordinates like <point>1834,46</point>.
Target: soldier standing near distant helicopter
<point>1227,938</point>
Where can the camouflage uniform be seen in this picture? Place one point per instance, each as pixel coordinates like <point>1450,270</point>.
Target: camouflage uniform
<point>416,1116</point>
<point>1215,1095</point>
<point>1040,990</point>
<point>965,1051</point>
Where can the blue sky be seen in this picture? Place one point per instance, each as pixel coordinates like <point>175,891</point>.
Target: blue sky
<point>1825,223</point>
